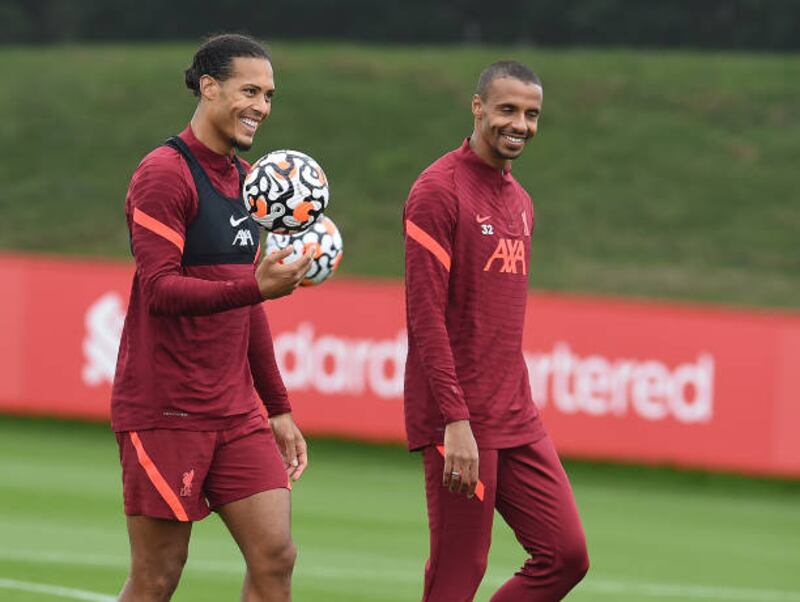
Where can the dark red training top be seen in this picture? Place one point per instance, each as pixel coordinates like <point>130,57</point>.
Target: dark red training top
<point>195,340</point>
<point>467,239</point>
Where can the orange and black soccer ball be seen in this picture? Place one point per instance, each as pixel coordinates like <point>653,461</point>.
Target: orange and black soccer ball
<point>286,191</point>
<point>323,237</point>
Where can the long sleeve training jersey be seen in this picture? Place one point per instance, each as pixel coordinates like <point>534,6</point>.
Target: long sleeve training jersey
<point>467,230</point>
<point>196,350</point>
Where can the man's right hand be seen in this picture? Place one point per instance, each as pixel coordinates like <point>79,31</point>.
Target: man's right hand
<point>276,279</point>
<point>460,458</point>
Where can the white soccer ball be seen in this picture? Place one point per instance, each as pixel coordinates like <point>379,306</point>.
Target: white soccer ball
<point>323,237</point>
<point>286,191</point>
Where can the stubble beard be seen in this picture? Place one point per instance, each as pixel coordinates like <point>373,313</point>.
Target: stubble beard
<point>507,156</point>
<point>497,147</point>
<point>241,146</point>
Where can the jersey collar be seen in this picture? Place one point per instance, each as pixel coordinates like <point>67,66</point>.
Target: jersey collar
<point>470,157</point>
<point>207,157</point>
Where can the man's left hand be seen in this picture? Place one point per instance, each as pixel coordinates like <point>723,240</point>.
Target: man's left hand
<point>291,443</point>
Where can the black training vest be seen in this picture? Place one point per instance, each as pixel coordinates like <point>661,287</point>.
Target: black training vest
<point>221,231</point>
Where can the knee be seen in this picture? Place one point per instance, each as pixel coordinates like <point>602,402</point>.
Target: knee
<point>575,560</point>
<point>273,560</point>
<point>567,563</point>
<point>284,559</point>
<point>470,568</point>
<point>163,585</point>
<point>158,579</point>
<point>454,579</point>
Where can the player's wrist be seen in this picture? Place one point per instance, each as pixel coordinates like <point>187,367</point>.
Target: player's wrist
<point>457,422</point>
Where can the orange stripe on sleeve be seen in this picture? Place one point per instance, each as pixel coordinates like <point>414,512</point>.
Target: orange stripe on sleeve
<point>158,481</point>
<point>427,241</point>
<point>479,488</point>
<point>152,224</point>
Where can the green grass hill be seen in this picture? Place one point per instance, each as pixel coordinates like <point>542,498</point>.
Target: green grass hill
<point>655,174</point>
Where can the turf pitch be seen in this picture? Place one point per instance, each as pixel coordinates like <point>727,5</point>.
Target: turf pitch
<point>359,523</point>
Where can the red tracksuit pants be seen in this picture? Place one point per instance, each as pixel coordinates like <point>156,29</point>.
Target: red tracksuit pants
<point>530,490</point>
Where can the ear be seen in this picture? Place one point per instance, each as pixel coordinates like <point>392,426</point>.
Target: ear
<point>209,87</point>
<point>477,106</point>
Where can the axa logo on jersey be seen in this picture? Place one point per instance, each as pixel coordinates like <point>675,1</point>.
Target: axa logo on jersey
<point>510,256</point>
<point>244,238</point>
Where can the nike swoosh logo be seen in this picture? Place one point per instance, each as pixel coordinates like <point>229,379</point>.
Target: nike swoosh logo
<point>236,222</point>
<point>482,219</point>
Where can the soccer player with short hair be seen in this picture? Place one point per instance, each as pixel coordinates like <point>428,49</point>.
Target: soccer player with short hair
<point>468,404</point>
<point>196,350</point>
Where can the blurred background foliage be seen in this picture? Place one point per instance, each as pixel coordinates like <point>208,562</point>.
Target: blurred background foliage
<point>744,24</point>
<point>656,174</point>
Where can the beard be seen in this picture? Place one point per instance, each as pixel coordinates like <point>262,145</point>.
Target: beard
<point>507,155</point>
<point>241,146</point>
<point>493,138</point>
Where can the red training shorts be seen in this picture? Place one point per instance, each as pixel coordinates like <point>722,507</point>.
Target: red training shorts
<point>183,475</point>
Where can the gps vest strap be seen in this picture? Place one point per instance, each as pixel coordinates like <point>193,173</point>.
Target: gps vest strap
<point>221,231</point>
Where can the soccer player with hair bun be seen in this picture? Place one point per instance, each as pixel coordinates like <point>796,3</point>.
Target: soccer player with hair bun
<point>200,411</point>
<point>468,404</point>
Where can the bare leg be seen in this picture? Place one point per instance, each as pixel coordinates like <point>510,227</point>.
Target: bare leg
<point>158,552</point>
<point>260,524</point>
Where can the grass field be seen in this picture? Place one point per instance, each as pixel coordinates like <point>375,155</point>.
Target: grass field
<point>359,522</point>
<point>660,174</point>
